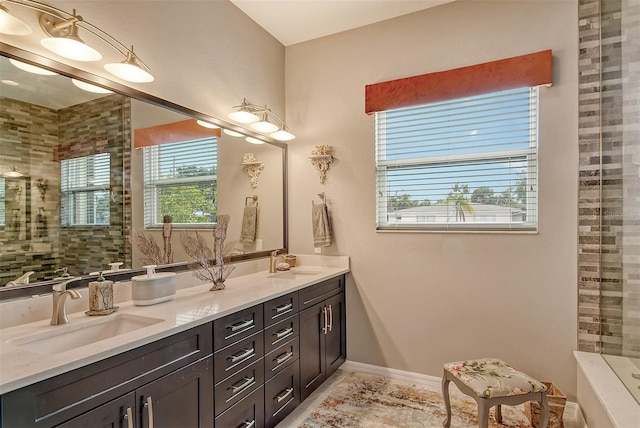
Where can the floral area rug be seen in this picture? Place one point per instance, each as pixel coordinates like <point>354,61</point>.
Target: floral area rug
<point>366,400</point>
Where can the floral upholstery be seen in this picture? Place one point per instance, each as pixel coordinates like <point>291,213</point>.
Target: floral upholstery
<point>491,377</point>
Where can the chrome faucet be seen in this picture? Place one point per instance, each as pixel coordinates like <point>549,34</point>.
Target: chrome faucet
<point>21,280</point>
<point>273,261</point>
<point>60,294</point>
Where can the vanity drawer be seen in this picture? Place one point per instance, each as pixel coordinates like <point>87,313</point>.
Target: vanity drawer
<point>316,293</point>
<point>281,394</point>
<point>236,326</point>
<point>235,388</point>
<point>281,357</point>
<point>280,333</point>
<point>279,308</point>
<point>248,413</point>
<point>229,360</point>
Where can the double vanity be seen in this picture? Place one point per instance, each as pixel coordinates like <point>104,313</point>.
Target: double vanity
<point>245,356</point>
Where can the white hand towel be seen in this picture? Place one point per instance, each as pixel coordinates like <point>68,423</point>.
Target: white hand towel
<point>249,221</point>
<point>321,225</point>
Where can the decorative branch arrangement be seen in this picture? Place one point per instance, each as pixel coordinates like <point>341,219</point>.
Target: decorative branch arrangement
<point>203,267</point>
<point>149,247</point>
<point>321,157</point>
<point>253,168</point>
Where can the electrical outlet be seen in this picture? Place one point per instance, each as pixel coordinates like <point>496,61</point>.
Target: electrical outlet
<point>317,250</point>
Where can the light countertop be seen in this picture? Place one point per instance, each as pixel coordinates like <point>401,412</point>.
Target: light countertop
<point>191,307</point>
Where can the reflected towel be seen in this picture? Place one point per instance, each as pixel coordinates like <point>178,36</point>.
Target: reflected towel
<point>249,222</point>
<point>321,226</point>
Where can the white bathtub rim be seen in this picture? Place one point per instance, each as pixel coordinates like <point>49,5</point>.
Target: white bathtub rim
<point>623,410</point>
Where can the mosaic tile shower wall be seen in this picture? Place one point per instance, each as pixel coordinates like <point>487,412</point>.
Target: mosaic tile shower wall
<point>606,222</point>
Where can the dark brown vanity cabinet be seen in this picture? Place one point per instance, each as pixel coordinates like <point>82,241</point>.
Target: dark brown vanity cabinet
<point>322,333</point>
<point>169,381</point>
<point>249,369</point>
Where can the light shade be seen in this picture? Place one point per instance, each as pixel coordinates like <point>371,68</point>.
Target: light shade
<point>31,68</point>
<point>90,88</point>
<point>232,133</point>
<point>207,124</point>
<point>14,173</point>
<point>283,135</point>
<point>9,24</point>
<point>129,70</point>
<point>243,116</point>
<point>253,140</point>
<point>264,125</point>
<point>71,47</point>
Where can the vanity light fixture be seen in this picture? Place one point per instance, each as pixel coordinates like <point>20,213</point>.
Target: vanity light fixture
<point>253,140</point>
<point>13,173</point>
<point>205,124</point>
<point>232,133</point>
<point>90,88</point>
<point>267,123</point>
<point>11,25</point>
<point>61,29</point>
<point>31,68</point>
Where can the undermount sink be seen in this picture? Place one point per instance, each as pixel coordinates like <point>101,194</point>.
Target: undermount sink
<point>75,335</point>
<point>294,273</point>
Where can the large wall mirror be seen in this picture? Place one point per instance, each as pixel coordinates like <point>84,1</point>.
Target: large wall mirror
<point>74,199</point>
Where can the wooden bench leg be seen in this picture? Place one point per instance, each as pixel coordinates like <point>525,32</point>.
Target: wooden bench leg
<point>445,395</point>
<point>544,410</point>
<point>498,414</point>
<point>483,413</point>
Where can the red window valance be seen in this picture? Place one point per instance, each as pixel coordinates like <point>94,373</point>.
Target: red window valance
<point>184,130</point>
<point>517,72</point>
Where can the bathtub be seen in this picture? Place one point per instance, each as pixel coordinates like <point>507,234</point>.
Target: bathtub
<point>603,399</point>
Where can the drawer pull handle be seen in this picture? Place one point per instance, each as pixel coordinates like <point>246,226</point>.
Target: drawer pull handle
<point>251,424</point>
<point>149,406</point>
<point>129,417</point>
<point>287,392</point>
<point>244,383</point>
<point>241,325</point>
<point>282,358</point>
<point>247,353</point>
<point>330,318</point>
<point>283,333</point>
<point>283,308</point>
<point>325,328</point>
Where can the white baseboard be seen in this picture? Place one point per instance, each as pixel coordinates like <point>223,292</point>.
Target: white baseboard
<point>572,416</point>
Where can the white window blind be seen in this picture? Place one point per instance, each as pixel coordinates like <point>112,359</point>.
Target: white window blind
<point>2,203</point>
<point>463,164</point>
<point>180,182</point>
<point>86,189</point>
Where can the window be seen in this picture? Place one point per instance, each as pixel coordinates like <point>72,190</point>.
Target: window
<point>463,164</point>
<point>85,187</point>
<point>180,181</point>
<point>2,203</point>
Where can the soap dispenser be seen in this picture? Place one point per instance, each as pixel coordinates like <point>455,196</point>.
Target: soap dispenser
<point>101,297</point>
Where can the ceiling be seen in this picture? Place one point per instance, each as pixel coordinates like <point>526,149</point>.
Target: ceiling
<point>295,21</point>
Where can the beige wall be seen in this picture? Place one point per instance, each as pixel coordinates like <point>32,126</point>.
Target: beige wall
<point>418,300</point>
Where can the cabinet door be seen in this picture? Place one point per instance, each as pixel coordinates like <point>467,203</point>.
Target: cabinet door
<point>335,339</point>
<point>118,413</point>
<point>312,349</point>
<point>183,398</point>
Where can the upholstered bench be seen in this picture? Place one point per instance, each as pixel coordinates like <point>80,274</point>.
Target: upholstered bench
<point>492,382</point>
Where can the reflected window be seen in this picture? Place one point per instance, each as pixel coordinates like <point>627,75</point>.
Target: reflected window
<point>85,188</point>
<point>180,182</point>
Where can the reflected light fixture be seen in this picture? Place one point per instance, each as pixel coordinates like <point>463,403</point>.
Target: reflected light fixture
<point>206,124</point>
<point>13,173</point>
<point>31,68</point>
<point>90,88</point>
<point>266,123</point>
<point>11,25</point>
<point>232,133</point>
<point>62,39</point>
<point>253,140</point>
